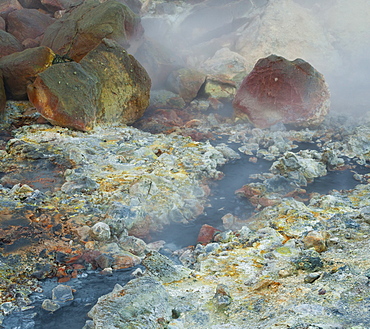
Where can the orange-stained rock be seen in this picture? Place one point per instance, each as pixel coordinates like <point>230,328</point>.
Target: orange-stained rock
<point>7,6</point>
<point>66,95</point>
<point>124,83</point>
<point>206,234</point>
<point>20,69</point>
<point>27,23</point>
<point>278,90</point>
<point>108,86</point>
<point>8,44</point>
<point>83,28</point>
<point>317,240</point>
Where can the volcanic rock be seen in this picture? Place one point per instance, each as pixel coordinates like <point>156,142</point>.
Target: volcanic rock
<point>8,44</point>
<point>27,23</point>
<point>278,90</point>
<point>54,5</point>
<point>83,28</point>
<point>2,24</point>
<point>20,69</point>
<point>186,83</point>
<point>124,83</point>
<point>206,234</point>
<point>66,95</point>
<point>141,303</point>
<point>31,4</point>
<point>7,6</point>
<point>219,87</point>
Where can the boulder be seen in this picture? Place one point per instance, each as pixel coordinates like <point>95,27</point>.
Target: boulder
<point>278,90</point>
<point>141,303</point>
<point>27,23</point>
<point>20,69</point>
<point>8,44</point>
<point>66,95</point>
<point>124,83</point>
<point>7,6</point>
<point>83,28</point>
<point>31,4</point>
<point>186,83</point>
<point>112,86</point>
<point>54,5</point>
<point>219,87</point>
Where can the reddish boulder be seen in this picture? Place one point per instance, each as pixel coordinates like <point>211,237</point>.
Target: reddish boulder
<point>7,6</point>
<point>8,44</point>
<point>83,28</point>
<point>66,95</point>
<point>27,23</point>
<point>206,234</point>
<point>20,69</point>
<point>278,90</point>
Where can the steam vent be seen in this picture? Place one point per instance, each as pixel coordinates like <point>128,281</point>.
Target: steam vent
<point>198,164</point>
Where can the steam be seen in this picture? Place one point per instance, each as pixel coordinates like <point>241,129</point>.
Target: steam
<point>333,36</point>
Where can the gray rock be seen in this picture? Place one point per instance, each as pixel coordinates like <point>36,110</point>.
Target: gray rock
<point>163,269</point>
<point>101,231</point>
<point>62,293</point>
<point>143,303</point>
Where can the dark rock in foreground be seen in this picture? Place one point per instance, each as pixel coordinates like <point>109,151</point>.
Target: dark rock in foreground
<point>278,90</point>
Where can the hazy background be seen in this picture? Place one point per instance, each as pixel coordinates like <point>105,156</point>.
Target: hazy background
<point>332,35</point>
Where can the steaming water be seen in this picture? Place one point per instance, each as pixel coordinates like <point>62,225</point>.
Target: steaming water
<point>88,288</point>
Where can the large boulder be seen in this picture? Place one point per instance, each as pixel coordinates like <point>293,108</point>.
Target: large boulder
<point>125,85</point>
<point>278,90</point>
<point>66,95</point>
<point>21,68</point>
<point>107,87</point>
<point>141,303</point>
<point>27,23</point>
<point>2,24</point>
<point>83,28</point>
<point>8,44</point>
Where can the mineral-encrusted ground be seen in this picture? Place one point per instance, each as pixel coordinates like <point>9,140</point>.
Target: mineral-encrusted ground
<point>69,200</point>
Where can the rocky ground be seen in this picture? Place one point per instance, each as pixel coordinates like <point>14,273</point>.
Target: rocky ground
<point>84,193</point>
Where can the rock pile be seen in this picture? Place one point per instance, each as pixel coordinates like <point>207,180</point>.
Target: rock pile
<point>73,75</point>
